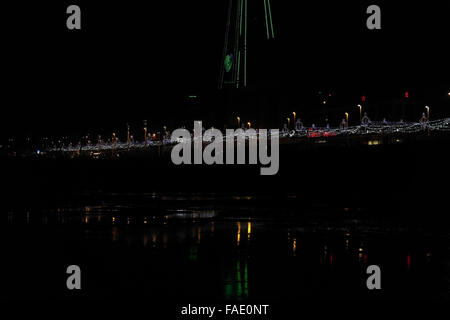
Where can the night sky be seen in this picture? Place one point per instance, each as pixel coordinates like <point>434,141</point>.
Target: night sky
<point>137,60</point>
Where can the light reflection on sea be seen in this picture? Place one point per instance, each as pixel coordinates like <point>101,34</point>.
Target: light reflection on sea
<point>186,246</point>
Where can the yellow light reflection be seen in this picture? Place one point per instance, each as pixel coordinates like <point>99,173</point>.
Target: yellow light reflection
<point>114,234</point>
<point>165,239</point>
<point>239,233</point>
<point>154,237</point>
<point>145,240</point>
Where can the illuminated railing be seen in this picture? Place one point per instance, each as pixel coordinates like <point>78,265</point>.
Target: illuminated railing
<point>380,128</point>
<point>373,128</point>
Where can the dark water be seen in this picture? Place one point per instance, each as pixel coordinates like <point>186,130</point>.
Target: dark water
<point>211,247</point>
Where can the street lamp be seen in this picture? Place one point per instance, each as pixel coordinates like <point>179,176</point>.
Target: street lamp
<point>238,121</point>
<point>360,112</point>
<point>289,122</point>
<point>249,125</point>
<point>346,117</point>
<point>428,112</point>
<point>128,134</point>
<point>145,132</point>
<point>295,115</point>
<point>113,140</point>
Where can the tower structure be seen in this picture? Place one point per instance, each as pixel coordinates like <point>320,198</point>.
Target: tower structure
<point>233,70</point>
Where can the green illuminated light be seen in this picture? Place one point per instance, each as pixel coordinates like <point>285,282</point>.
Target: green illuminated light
<point>228,62</point>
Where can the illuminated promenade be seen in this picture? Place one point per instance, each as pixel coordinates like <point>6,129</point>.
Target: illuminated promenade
<point>373,131</point>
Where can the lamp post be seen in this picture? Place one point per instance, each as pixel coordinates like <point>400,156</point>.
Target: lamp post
<point>249,124</point>
<point>145,132</point>
<point>428,112</point>
<point>238,121</point>
<point>295,115</point>
<point>128,135</point>
<point>113,140</point>
<point>346,118</point>
<point>289,122</point>
<point>360,112</point>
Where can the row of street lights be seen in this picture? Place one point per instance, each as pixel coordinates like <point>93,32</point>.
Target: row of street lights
<point>249,124</point>
<point>360,107</point>
<point>427,108</point>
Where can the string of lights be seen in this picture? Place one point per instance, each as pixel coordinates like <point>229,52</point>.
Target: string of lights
<point>369,128</point>
<point>373,128</point>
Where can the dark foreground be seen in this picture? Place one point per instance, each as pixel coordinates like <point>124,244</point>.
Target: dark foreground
<point>220,253</point>
<point>210,235</point>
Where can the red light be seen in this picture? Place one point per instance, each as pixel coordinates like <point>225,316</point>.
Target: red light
<point>406,94</point>
<point>363,98</point>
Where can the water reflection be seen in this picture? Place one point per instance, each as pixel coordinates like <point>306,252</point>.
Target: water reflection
<point>115,214</point>
<point>114,233</point>
<point>238,233</point>
<point>236,283</point>
<point>243,230</point>
<point>165,240</point>
<point>408,261</point>
<point>294,247</point>
<point>213,251</point>
<point>154,237</point>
